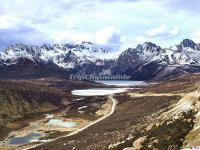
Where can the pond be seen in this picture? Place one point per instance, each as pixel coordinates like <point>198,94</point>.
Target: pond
<point>59,122</point>
<point>25,139</point>
<point>98,91</point>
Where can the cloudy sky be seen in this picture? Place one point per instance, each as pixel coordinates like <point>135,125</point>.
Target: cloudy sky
<point>116,24</point>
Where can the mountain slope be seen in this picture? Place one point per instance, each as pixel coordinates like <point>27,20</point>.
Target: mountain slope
<point>146,61</point>
<point>63,55</point>
<point>19,98</point>
<point>149,61</point>
<point>24,61</point>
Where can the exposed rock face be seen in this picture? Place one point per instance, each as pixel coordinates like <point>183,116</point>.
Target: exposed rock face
<point>146,61</point>
<point>63,55</point>
<point>149,61</point>
<point>58,60</point>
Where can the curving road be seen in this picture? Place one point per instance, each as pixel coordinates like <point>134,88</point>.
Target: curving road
<point>79,130</point>
<point>98,120</point>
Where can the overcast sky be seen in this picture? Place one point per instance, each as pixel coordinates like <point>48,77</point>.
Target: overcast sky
<point>117,24</point>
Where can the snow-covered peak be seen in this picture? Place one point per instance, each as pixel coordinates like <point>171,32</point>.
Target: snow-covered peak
<point>64,55</point>
<point>87,43</point>
<point>70,55</point>
<point>150,46</point>
<point>187,52</point>
<point>15,51</point>
<point>188,44</point>
<point>147,51</point>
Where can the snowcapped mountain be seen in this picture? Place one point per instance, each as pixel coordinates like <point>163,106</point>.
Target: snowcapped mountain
<point>149,60</point>
<point>63,55</point>
<point>146,61</point>
<point>185,53</point>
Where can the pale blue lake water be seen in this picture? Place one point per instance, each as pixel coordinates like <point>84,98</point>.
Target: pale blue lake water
<point>98,91</point>
<point>58,122</point>
<point>24,139</point>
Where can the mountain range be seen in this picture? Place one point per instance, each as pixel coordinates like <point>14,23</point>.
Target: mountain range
<point>145,62</point>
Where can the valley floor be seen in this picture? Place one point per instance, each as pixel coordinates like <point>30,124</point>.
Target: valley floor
<point>162,116</point>
<point>69,108</point>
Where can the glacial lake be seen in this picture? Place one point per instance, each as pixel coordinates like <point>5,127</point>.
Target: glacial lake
<point>124,83</point>
<point>120,88</point>
<point>98,91</point>
<point>58,122</point>
<point>25,139</point>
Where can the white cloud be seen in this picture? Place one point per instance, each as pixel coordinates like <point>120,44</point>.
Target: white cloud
<point>154,35</point>
<point>108,35</point>
<point>196,36</point>
<point>141,39</point>
<point>105,22</point>
<point>157,31</point>
<point>163,30</point>
<point>8,21</point>
<point>175,31</point>
<point>189,6</point>
<point>69,36</point>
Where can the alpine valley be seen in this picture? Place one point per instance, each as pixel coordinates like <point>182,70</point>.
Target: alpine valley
<point>41,109</point>
<point>99,75</point>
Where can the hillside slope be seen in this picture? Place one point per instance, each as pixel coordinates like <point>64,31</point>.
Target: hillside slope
<point>143,118</point>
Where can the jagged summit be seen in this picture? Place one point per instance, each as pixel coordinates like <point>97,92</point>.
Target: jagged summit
<point>69,55</point>
<point>149,60</point>
<point>149,45</point>
<point>188,43</point>
<point>59,54</point>
<point>84,42</point>
<point>145,61</point>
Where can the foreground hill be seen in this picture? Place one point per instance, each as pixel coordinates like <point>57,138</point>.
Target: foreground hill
<point>23,100</point>
<point>20,98</point>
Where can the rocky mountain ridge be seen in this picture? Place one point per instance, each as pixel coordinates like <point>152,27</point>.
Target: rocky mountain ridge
<point>146,61</point>
<point>63,55</point>
<point>151,61</point>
